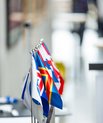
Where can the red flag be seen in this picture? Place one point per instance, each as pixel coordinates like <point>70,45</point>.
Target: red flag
<point>49,64</point>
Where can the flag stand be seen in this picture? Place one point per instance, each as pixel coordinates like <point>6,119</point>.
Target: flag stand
<point>51,115</point>
<point>49,119</point>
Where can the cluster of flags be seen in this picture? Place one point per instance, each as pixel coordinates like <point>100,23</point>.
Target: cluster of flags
<point>43,84</point>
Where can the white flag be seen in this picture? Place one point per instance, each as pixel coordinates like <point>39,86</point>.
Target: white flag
<point>35,92</point>
<point>30,93</point>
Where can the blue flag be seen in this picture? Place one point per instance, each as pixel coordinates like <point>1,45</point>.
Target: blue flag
<point>54,97</point>
<point>42,90</point>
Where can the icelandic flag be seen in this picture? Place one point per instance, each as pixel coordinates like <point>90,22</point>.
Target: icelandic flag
<point>35,93</point>
<point>42,91</point>
<point>30,94</point>
<point>49,64</point>
<point>51,90</point>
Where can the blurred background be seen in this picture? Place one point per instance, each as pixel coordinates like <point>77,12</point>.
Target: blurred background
<point>73,32</point>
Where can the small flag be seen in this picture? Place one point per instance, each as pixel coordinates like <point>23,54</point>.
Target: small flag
<point>51,90</point>
<point>30,95</point>
<point>26,94</point>
<point>35,92</point>
<point>49,64</point>
<point>42,90</point>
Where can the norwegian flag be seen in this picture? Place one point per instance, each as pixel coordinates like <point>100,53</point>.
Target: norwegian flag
<point>49,64</point>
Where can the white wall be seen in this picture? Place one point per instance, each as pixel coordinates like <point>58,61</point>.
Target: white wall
<point>2,35</point>
<point>14,63</point>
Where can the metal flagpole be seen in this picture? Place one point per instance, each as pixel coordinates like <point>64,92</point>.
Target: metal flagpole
<point>34,50</point>
<point>50,116</point>
<point>31,94</point>
<point>33,119</point>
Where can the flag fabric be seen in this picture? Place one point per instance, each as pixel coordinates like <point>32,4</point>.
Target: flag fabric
<point>26,94</point>
<point>30,95</point>
<point>49,64</point>
<point>51,90</point>
<point>42,91</point>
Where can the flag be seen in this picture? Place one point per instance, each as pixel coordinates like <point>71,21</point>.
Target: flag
<point>49,64</point>
<point>30,94</point>
<point>51,90</point>
<point>42,91</point>
<point>40,85</point>
<point>35,92</point>
<point>25,93</point>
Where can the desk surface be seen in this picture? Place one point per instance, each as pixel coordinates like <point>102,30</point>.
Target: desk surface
<point>16,120</point>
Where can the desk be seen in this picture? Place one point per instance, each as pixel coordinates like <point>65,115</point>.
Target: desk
<point>16,120</point>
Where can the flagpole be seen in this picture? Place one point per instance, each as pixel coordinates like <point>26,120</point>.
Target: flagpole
<point>33,119</point>
<point>50,114</point>
<point>31,93</point>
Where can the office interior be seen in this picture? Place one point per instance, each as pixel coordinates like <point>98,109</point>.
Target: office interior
<point>73,33</point>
